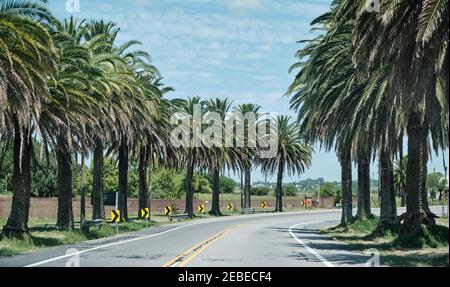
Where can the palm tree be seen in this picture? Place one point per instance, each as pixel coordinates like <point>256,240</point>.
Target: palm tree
<point>412,36</point>
<point>75,105</point>
<point>194,155</point>
<point>26,59</point>
<point>142,104</point>
<point>218,153</point>
<point>247,109</point>
<point>323,94</point>
<point>108,31</point>
<point>151,147</point>
<point>293,156</point>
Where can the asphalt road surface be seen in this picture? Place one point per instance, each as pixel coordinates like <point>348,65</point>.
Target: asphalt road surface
<point>262,240</point>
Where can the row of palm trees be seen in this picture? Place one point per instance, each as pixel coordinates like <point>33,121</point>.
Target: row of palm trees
<point>367,81</point>
<point>70,87</point>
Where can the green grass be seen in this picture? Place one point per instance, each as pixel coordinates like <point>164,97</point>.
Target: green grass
<point>429,250</point>
<point>44,234</point>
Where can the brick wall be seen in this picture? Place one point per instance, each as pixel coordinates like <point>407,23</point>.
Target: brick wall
<point>47,207</point>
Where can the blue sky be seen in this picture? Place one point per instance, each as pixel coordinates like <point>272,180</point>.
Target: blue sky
<point>240,49</point>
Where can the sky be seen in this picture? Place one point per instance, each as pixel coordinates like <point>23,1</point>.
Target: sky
<point>240,49</point>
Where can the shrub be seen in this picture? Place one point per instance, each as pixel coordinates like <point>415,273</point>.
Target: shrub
<point>260,190</point>
<point>328,189</point>
<point>290,190</point>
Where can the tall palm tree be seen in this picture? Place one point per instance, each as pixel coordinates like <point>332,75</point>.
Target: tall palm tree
<point>151,147</point>
<point>109,32</point>
<point>323,95</point>
<point>248,109</point>
<point>194,155</point>
<point>218,156</point>
<point>75,106</point>
<point>27,57</point>
<point>142,103</point>
<point>293,156</point>
<point>412,36</point>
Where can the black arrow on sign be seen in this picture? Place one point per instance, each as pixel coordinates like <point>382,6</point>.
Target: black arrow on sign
<point>115,217</point>
<point>168,210</point>
<point>144,212</point>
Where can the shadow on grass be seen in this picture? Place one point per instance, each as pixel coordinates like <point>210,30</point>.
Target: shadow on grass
<point>368,230</point>
<point>434,236</point>
<point>49,236</point>
<point>416,259</point>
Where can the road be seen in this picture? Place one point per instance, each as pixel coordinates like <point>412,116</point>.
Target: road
<point>262,240</point>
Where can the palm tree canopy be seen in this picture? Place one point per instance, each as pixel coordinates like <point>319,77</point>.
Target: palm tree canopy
<point>293,154</point>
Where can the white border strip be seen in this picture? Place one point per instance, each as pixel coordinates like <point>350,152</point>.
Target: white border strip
<point>312,251</point>
<point>170,230</point>
<point>104,246</point>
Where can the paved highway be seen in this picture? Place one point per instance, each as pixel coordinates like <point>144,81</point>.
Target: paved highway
<point>268,240</point>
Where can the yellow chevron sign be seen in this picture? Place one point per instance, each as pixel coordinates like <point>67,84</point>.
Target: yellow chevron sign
<point>145,213</point>
<point>263,204</point>
<point>167,210</point>
<point>115,216</point>
<point>230,206</point>
<point>201,208</point>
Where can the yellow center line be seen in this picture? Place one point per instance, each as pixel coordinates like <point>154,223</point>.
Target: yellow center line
<point>198,248</point>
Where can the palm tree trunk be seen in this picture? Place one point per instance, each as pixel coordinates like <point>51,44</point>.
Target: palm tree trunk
<point>364,186</point>
<point>64,185</point>
<point>98,208</point>
<point>17,224</point>
<point>388,208</point>
<point>215,205</point>
<point>279,192</point>
<point>189,208</point>
<point>424,158</point>
<point>401,159</point>
<point>247,188</point>
<point>5,149</point>
<point>416,170</point>
<point>123,179</point>
<point>346,179</point>
<point>242,189</point>
<point>142,175</point>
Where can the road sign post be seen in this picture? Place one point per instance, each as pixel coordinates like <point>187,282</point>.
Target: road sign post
<point>150,187</point>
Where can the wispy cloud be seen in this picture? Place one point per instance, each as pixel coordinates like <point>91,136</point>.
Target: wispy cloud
<point>243,4</point>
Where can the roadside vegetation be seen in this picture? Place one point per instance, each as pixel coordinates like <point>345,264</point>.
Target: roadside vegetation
<point>44,234</point>
<point>429,250</point>
<point>364,85</point>
<point>367,83</point>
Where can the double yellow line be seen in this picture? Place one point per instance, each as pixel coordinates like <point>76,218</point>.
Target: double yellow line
<point>182,259</point>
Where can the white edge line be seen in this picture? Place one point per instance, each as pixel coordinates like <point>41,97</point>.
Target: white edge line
<point>163,232</point>
<point>105,246</point>
<point>312,251</point>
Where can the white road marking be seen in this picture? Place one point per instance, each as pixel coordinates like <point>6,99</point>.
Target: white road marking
<point>312,251</point>
<point>105,246</point>
<point>163,232</point>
